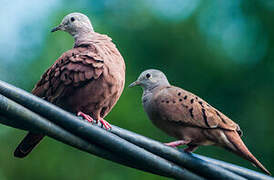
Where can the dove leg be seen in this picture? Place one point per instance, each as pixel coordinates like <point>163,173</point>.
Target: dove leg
<point>178,143</point>
<point>104,123</point>
<point>191,148</point>
<point>85,116</point>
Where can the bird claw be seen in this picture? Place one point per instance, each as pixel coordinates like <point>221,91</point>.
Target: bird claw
<point>91,120</point>
<point>105,124</point>
<point>85,116</point>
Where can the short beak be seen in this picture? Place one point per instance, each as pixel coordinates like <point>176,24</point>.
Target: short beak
<point>56,28</point>
<point>135,83</point>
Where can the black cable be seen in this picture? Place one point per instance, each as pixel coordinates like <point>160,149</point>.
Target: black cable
<point>134,156</point>
<point>69,122</point>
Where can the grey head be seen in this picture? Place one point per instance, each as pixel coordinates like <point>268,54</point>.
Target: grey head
<point>76,24</point>
<point>151,79</point>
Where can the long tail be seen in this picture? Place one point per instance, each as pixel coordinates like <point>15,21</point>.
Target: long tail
<point>27,144</point>
<point>240,149</point>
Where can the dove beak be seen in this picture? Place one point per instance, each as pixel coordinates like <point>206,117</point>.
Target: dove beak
<point>57,28</point>
<point>135,83</point>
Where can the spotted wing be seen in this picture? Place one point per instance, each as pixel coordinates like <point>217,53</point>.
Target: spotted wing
<point>180,106</point>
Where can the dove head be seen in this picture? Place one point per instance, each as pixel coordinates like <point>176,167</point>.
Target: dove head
<point>151,79</point>
<point>75,24</point>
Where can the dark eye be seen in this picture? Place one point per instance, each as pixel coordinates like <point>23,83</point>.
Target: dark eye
<point>72,19</point>
<point>148,75</point>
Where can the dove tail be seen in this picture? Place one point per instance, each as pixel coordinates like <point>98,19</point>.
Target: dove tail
<point>240,149</point>
<point>27,144</point>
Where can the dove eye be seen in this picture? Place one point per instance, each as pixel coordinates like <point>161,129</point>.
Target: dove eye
<point>72,19</point>
<point>148,75</point>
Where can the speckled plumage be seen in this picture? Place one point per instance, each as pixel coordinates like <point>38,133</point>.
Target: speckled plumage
<point>88,78</point>
<point>182,108</point>
<point>189,118</point>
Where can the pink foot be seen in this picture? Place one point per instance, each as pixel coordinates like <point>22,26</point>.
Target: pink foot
<point>178,143</point>
<point>85,116</point>
<point>105,124</point>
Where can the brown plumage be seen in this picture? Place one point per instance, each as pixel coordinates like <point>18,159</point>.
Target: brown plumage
<point>189,118</point>
<point>88,78</point>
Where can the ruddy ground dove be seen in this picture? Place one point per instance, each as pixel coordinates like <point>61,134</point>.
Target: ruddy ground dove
<point>88,79</point>
<point>189,118</point>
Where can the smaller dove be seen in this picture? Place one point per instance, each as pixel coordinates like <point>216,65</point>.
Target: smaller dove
<point>189,118</point>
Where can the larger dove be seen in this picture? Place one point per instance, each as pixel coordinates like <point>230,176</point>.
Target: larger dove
<point>87,80</point>
<point>189,118</point>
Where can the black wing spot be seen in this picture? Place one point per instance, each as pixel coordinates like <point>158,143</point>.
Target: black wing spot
<point>205,117</point>
<point>191,112</point>
<point>191,101</point>
<point>180,100</point>
<point>201,103</point>
<point>185,97</point>
<point>218,114</point>
<point>167,102</point>
<point>179,94</point>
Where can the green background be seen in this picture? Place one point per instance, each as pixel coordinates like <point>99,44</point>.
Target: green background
<point>222,51</point>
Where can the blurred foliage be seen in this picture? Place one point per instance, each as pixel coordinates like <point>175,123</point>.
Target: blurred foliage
<point>219,50</point>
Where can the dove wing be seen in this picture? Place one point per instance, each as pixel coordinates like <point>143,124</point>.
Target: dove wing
<point>180,106</point>
<point>74,68</point>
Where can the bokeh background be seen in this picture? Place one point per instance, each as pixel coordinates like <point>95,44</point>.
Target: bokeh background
<point>222,51</point>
